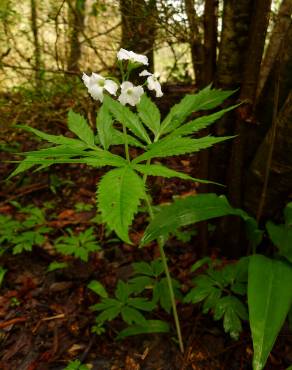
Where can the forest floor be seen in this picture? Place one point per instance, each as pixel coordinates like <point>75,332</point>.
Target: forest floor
<point>45,317</point>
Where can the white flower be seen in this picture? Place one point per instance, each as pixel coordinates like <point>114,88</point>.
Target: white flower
<point>96,84</point>
<point>152,82</point>
<point>124,54</point>
<point>130,94</point>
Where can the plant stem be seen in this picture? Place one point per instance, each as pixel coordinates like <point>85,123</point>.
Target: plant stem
<point>168,278</point>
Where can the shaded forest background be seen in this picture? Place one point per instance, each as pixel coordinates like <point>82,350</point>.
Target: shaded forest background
<point>243,45</point>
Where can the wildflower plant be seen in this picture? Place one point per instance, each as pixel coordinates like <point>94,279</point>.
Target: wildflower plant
<point>129,117</point>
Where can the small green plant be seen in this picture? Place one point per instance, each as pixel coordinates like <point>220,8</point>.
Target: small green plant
<point>128,307</point>
<point>221,290</point>
<point>82,207</point>
<point>21,235</point>
<point>76,365</point>
<point>78,245</point>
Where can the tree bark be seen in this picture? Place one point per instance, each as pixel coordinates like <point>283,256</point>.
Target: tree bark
<point>37,50</point>
<point>279,32</point>
<point>139,19</point>
<point>76,25</point>
<point>279,190</point>
<point>197,48</point>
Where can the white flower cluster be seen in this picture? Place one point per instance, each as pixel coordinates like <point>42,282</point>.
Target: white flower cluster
<point>130,94</point>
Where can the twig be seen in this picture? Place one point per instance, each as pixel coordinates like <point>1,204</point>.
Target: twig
<point>16,320</point>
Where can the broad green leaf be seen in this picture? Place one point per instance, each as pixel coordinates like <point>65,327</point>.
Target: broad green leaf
<point>178,146</point>
<point>79,126</point>
<point>104,123</point>
<point>159,170</point>
<point>119,194</point>
<point>269,301</point>
<point>149,114</point>
<point>152,326</point>
<point>125,116</point>
<point>200,123</point>
<point>190,210</point>
<point>205,99</point>
<point>105,304</point>
<point>281,236</point>
<point>132,316</point>
<point>142,268</point>
<point>56,139</point>
<point>98,288</point>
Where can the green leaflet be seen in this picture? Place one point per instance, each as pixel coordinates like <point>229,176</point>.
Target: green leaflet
<point>125,116</point>
<point>98,288</point>
<point>177,146</point>
<point>119,194</point>
<point>200,123</point>
<point>56,139</point>
<point>104,123</point>
<point>205,99</point>
<point>118,138</point>
<point>269,301</point>
<point>190,210</point>
<point>78,125</point>
<point>159,170</point>
<point>149,114</point>
<point>152,326</point>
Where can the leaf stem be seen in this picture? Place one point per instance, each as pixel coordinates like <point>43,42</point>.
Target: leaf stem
<point>168,278</point>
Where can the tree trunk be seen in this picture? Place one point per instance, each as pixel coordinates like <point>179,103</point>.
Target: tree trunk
<point>197,49</point>
<point>279,32</point>
<point>37,50</point>
<point>76,25</point>
<point>279,190</point>
<point>257,36</point>
<point>139,19</point>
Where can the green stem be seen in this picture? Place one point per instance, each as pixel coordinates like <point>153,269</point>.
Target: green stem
<point>168,278</point>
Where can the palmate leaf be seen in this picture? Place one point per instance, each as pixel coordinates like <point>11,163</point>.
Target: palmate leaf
<point>149,114</point>
<point>159,170</point>
<point>55,139</point>
<point>200,123</point>
<point>79,126</point>
<point>178,146</point>
<point>125,116</point>
<point>190,210</point>
<point>205,99</point>
<point>119,194</point>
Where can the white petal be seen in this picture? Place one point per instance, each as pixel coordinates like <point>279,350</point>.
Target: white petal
<point>111,87</point>
<point>123,98</point>
<point>127,85</point>
<point>145,73</point>
<point>86,79</point>
<point>96,92</point>
<point>123,54</point>
<point>139,58</point>
<point>95,78</point>
<point>153,84</point>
